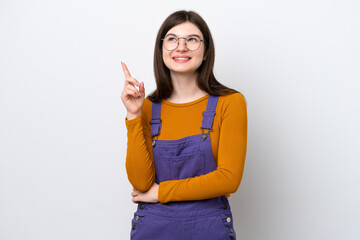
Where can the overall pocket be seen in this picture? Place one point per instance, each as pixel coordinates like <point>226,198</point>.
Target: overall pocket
<point>185,166</point>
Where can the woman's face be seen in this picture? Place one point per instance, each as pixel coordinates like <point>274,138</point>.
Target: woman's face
<point>182,60</point>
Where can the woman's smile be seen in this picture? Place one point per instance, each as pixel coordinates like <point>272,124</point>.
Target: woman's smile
<point>181,59</point>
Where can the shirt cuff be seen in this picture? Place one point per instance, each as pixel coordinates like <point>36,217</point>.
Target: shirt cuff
<point>132,122</point>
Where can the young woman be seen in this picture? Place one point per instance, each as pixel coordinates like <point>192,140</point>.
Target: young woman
<point>186,140</point>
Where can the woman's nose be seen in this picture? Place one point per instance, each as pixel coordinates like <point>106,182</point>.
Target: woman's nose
<point>182,45</point>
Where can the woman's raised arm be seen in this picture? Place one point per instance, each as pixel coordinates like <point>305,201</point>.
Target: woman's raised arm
<point>139,161</point>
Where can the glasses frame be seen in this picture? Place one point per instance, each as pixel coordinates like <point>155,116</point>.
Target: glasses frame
<point>178,42</point>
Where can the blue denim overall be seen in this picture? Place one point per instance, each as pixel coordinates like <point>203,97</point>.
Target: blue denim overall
<point>188,157</point>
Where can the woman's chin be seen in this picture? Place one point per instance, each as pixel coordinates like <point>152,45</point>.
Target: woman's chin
<point>183,71</point>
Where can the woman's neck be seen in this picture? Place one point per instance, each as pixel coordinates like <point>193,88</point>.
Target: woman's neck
<point>185,88</point>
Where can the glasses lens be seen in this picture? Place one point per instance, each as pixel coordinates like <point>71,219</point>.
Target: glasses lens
<point>192,43</point>
<point>170,43</point>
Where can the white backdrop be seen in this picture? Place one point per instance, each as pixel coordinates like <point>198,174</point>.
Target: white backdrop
<point>63,135</point>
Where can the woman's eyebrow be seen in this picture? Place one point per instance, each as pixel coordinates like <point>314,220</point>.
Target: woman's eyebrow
<point>191,35</point>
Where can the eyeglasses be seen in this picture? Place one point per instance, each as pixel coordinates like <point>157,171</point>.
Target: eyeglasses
<point>192,43</point>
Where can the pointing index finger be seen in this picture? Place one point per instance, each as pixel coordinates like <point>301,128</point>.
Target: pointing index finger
<point>125,69</point>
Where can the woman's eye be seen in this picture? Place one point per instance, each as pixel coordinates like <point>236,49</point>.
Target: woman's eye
<point>172,39</point>
<point>192,40</point>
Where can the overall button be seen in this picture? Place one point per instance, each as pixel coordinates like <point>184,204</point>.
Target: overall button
<point>137,218</point>
<point>142,206</point>
<point>133,227</point>
<point>203,136</point>
<point>231,230</point>
<point>224,207</point>
<point>228,219</point>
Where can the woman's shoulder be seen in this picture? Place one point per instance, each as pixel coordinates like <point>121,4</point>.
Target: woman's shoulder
<point>232,105</point>
<point>147,103</point>
<point>232,99</point>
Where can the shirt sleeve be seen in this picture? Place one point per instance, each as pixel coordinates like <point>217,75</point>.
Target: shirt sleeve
<point>139,164</point>
<point>231,160</point>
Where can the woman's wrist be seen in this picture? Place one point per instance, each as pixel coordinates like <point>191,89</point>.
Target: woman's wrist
<point>131,116</point>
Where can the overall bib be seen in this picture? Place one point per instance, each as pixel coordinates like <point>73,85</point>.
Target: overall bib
<point>191,156</point>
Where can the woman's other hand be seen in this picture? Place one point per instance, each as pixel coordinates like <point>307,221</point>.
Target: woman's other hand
<point>150,196</point>
<point>132,98</point>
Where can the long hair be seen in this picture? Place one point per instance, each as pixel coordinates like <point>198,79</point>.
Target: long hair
<point>206,80</point>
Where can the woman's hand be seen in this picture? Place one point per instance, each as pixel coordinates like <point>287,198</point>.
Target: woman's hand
<point>132,98</point>
<point>150,195</point>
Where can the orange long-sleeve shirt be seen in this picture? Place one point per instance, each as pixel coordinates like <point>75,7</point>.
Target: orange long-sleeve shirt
<point>178,120</point>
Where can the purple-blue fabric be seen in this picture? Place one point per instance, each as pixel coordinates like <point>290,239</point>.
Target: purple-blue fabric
<point>191,156</point>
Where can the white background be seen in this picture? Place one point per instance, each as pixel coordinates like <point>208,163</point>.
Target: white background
<point>63,135</point>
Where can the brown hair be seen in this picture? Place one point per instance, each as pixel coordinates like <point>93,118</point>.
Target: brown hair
<point>206,80</point>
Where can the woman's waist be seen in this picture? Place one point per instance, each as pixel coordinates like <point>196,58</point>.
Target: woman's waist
<point>185,208</point>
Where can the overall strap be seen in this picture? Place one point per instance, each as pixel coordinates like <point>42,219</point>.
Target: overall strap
<point>155,118</point>
<point>208,115</point>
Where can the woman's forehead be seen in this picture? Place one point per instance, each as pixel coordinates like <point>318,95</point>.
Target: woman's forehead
<point>185,29</point>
